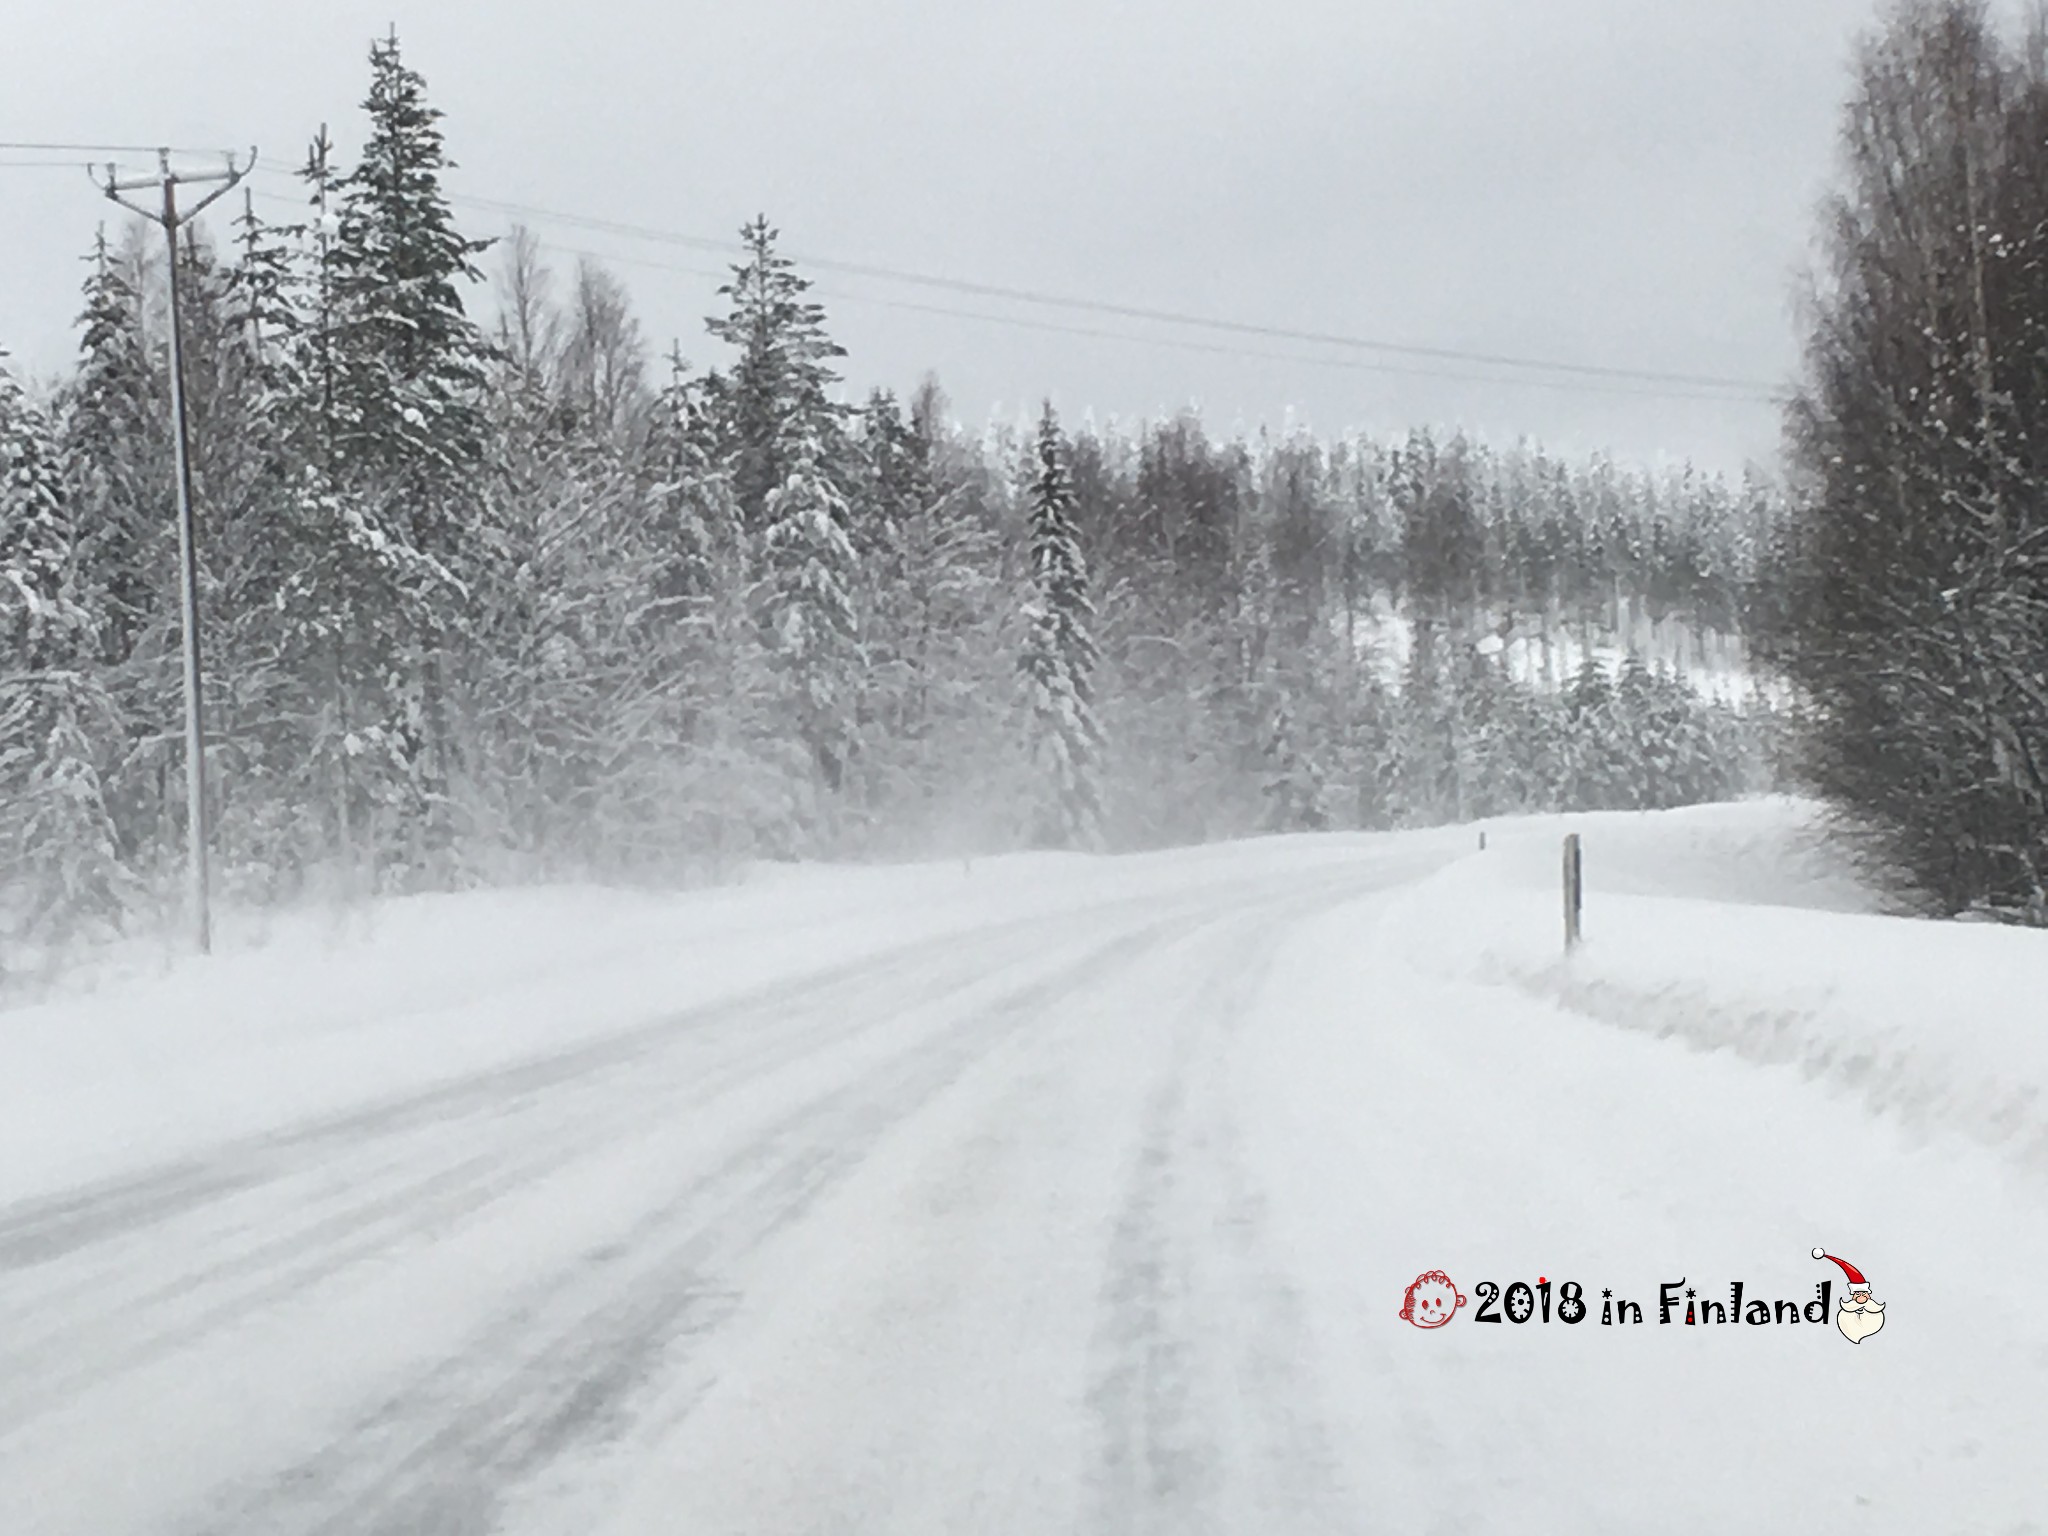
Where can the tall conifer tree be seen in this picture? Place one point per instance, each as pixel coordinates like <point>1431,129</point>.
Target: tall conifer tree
<point>58,856</point>
<point>1058,662</point>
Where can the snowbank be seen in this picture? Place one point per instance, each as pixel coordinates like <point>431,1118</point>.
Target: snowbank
<point>1729,928</point>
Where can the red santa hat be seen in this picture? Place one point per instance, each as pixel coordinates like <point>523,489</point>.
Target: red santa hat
<point>1856,1280</point>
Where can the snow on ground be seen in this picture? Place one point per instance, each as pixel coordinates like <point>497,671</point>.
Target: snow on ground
<point>1479,1108</point>
<point>309,1014</point>
<point>1054,1195</point>
<point>1726,928</point>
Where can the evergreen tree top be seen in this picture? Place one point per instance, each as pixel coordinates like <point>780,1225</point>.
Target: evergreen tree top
<point>109,312</point>
<point>397,248</point>
<point>1052,490</point>
<point>114,370</point>
<point>260,284</point>
<point>779,334</point>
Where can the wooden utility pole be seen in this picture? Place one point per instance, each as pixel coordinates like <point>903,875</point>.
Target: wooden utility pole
<point>170,217</point>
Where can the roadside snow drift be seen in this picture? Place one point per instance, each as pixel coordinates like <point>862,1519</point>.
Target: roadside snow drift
<point>1727,928</point>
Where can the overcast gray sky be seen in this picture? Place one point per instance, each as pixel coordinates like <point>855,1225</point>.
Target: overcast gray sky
<point>1616,183</point>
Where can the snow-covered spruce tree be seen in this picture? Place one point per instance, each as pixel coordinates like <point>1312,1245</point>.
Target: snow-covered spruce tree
<point>408,373</point>
<point>60,870</point>
<point>783,448</point>
<point>1058,660</point>
<point>1592,776</point>
<point>805,587</point>
<point>692,531</point>
<point>112,419</point>
<point>775,400</point>
<point>240,326</point>
<point>410,362</point>
<point>114,449</point>
<point>247,401</point>
<point>344,577</point>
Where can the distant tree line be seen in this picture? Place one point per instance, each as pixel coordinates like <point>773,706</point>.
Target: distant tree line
<point>523,601</point>
<point>1914,604</point>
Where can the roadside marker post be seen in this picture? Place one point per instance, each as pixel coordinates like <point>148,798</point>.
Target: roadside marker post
<point>1574,892</point>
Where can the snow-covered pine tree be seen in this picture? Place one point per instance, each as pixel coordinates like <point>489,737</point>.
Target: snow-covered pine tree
<point>693,543</point>
<point>1641,761</point>
<point>340,595</point>
<point>807,576</point>
<point>111,440</point>
<point>240,325</point>
<point>1059,657</point>
<point>783,453</point>
<point>60,868</point>
<point>1594,780</point>
<point>269,793</point>
<point>775,402</point>
<point>411,431</point>
<point>411,363</point>
<point>112,417</point>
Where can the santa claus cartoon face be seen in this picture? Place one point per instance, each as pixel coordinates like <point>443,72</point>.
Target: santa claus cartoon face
<point>1431,1300</point>
<point>1860,1315</point>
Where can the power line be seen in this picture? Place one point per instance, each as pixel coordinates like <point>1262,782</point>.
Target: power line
<point>1750,388</point>
<point>109,149</point>
<point>1623,389</point>
<point>1129,311</point>
<point>1625,383</point>
<point>1354,365</point>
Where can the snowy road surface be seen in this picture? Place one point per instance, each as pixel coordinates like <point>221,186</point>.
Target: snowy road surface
<point>1083,1215</point>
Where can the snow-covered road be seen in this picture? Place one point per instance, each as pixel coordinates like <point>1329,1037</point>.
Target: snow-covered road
<point>1091,1217</point>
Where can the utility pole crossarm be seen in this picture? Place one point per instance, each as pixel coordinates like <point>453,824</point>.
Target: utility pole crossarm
<point>166,178</point>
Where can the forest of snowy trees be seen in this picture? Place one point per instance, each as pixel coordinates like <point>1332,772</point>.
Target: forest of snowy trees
<point>523,598</point>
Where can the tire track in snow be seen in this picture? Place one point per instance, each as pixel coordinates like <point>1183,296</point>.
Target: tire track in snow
<point>413,1181</point>
<point>446,1452</point>
<point>1194,1334</point>
<point>46,1228</point>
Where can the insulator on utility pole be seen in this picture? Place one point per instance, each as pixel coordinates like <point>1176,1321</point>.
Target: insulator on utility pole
<point>171,218</point>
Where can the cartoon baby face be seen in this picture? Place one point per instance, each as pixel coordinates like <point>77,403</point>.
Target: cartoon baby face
<point>1431,1301</point>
